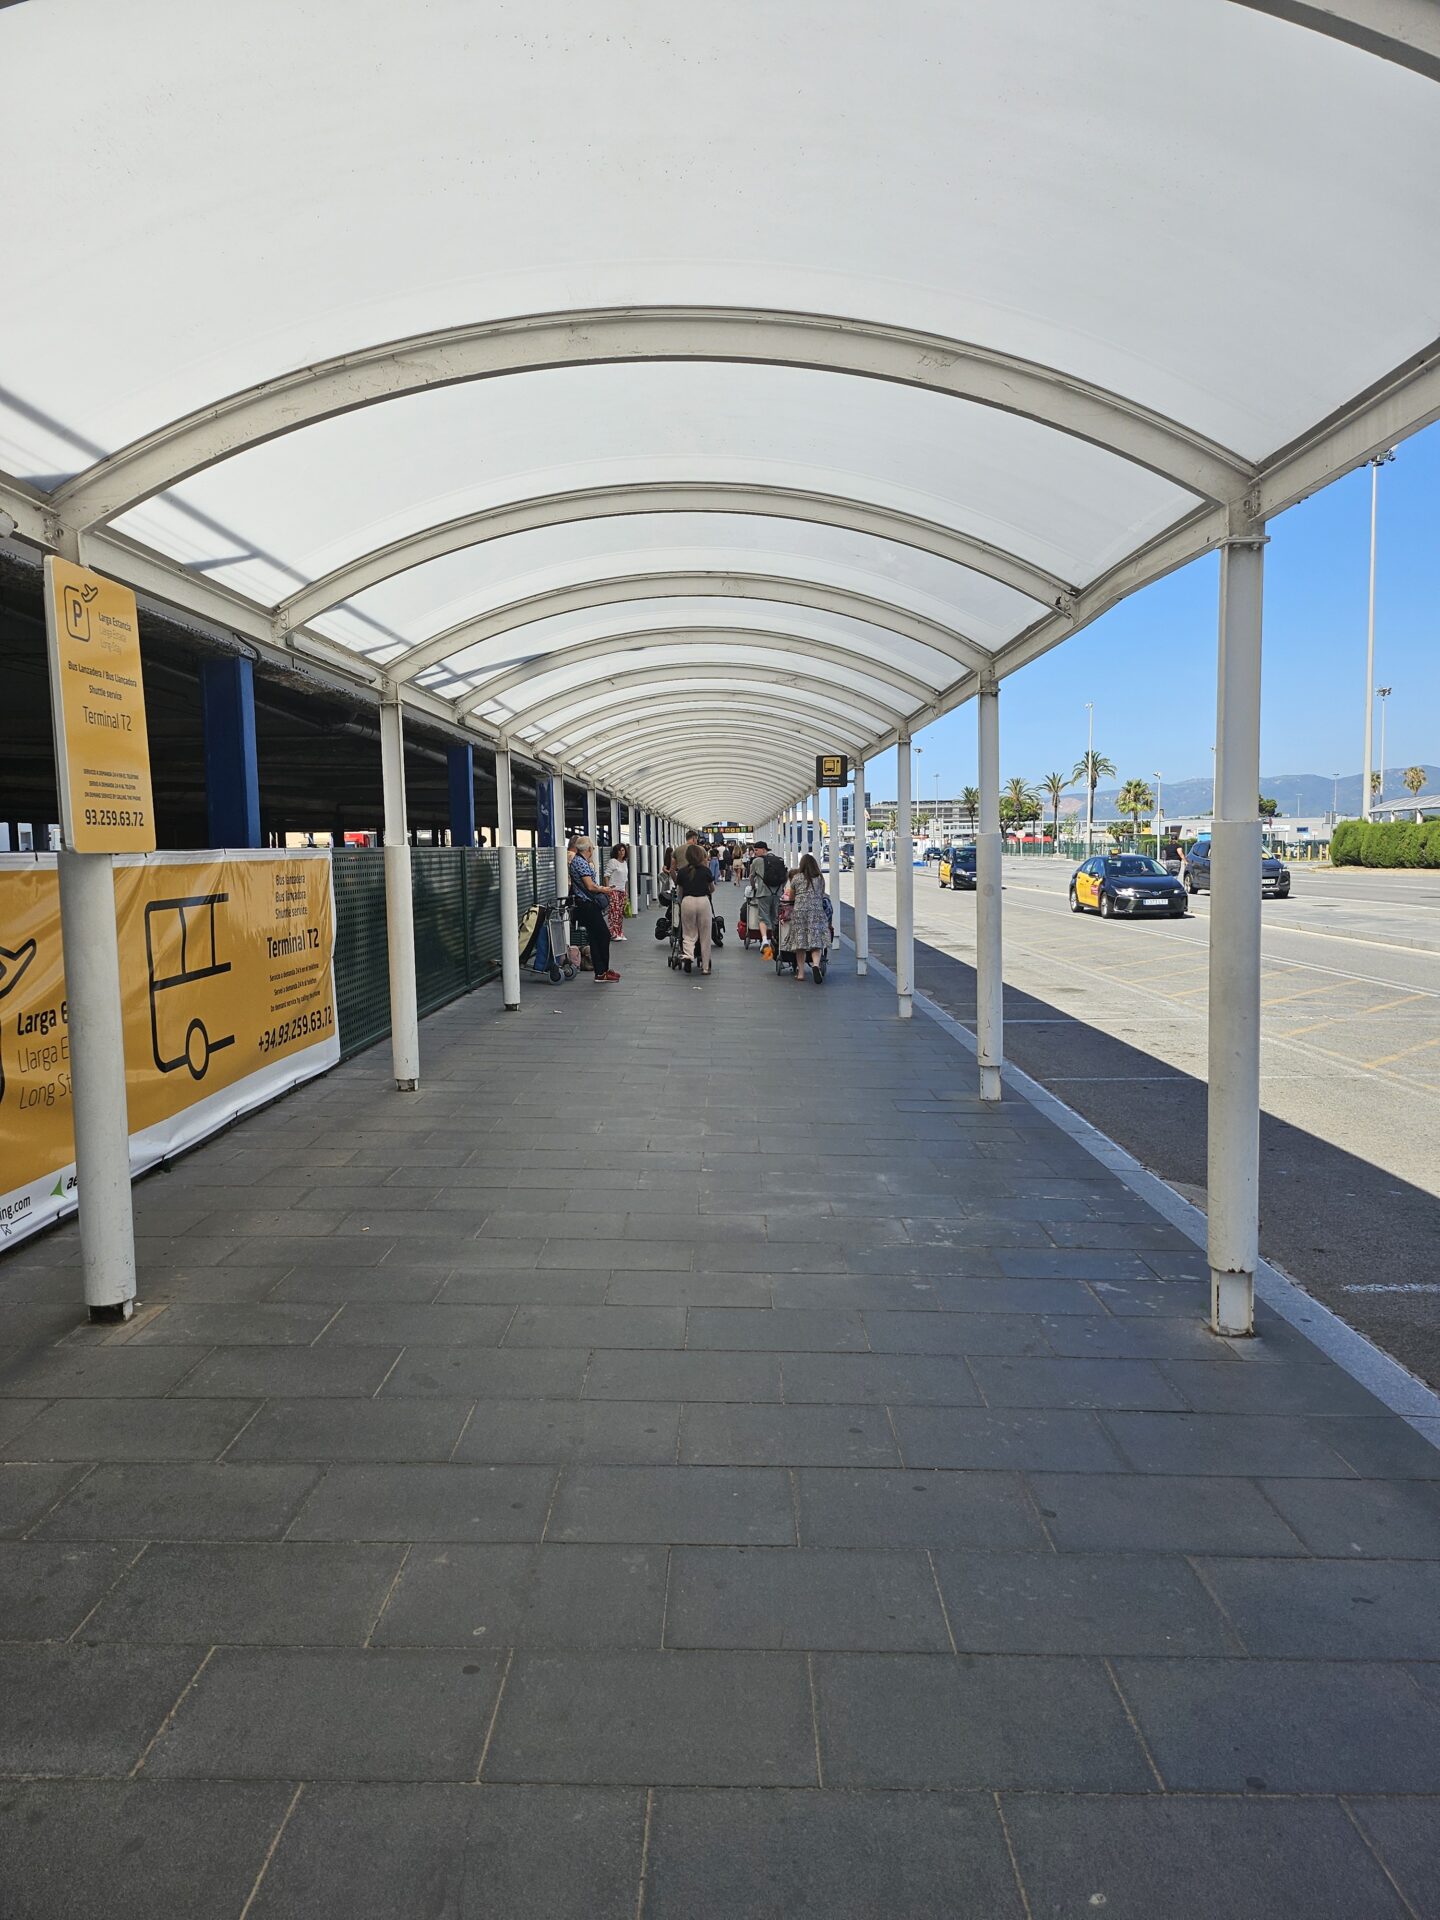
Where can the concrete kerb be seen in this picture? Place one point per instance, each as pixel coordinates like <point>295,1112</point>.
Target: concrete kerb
<point>1391,1383</point>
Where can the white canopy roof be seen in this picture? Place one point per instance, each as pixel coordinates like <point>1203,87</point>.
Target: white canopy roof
<point>676,392</point>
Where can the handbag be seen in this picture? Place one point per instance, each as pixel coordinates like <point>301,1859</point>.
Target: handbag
<point>662,927</point>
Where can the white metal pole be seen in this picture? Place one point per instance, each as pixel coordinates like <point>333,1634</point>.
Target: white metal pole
<point>1383,695</point>
<point>633,860</point>
<point>592,813</point>
<point>1233,1175</point>
<point>509,896</point>
<point>97,1076</point>
<point>399,906</point>
<point>989,951</point>
<point>1368,773</point>
<point>557,824</point>
<point>904,882</point>
<point>1089,777</point>
<point>862,875</point>
<point>614,823</point>
<point>832,878</point>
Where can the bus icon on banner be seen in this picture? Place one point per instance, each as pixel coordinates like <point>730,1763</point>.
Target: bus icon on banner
<point>181,954</point>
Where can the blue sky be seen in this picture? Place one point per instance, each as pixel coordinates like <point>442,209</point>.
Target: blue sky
<point>1149,664</point>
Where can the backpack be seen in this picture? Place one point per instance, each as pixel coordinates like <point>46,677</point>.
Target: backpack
<point>775,874</point>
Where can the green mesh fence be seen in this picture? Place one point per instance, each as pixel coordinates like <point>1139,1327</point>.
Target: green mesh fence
<point>456,895</point>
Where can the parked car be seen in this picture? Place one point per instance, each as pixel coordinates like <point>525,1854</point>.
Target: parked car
<point>957,869</point>
<point>1274,874</point>
<point>1130,883</point>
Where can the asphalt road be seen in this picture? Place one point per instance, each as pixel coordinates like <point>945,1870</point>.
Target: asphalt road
<point>1111,1016</point>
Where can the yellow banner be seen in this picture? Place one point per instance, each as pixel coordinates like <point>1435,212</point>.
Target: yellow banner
<point>102,747</point>
<point>226,974</point>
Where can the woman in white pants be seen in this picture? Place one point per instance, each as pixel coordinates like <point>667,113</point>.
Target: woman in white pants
<point>695,887</point>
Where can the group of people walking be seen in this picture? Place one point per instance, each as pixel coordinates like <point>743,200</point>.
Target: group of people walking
<point>788,906</point>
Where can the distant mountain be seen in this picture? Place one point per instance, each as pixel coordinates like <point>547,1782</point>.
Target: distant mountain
<point>1299,794</point>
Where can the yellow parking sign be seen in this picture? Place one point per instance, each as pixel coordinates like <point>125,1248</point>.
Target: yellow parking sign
<point>832,769</point>
<point>97,703</point>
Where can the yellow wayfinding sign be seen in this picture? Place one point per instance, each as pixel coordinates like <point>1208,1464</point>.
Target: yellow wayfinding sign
<point>97,700</point>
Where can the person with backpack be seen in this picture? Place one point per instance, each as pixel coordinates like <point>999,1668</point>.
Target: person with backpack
<point>767,879</point>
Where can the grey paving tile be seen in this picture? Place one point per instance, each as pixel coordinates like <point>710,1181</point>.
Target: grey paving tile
<point>777,1436</point>
<point>637,1433</point>
<point>1074,1383</point>
<point>226,1284</point>
<point>370,1324</point>
<point>249,1596</point>
<point>46,1590</point>
<point>1285,1726</point>
<point>133,1850</point>
<point>883,1507</point>
<point>89,1372</point>
<point>1118,1513</point>
<point>782,1598</point>
<point>1332,1609</point>
<point>1270,1389</point>
<point>85,1710</point>
<point>1155,1299</point>
<point>394,1852</point>
<point>581,1326</point>
<point>1224,1443</point>
<point>1105,1336</point>
<point>846,1856</point>
<point>1194,1859</point>
<point>683,1376</point>
<point>1061,1439</point>
<point>427,1503</point>
<point>1079,1603</point>
<point>1406,1835</point>
<point>688,1290</point>
<point>180,1502</point>
<point>293,1372</point>
<point>923,1720</point>
<point>561,1256</point>
<point>776,1330</point>
<point>1369,1519</point>
<point>489,1373</point>
<point>1383,1449</point>
<point>334,1430</point>
<point>956,1333</point>
<point>525,1596</point>
<point>526,1285</point>
<point>693,1505</point>
<point>847,1293</point>
<point>332,1714</point>
<point>879,1379</point>
<point>215,1323</point>
<point>27,1491</point>
<point>665,1719</point>
<point>131,1430</point>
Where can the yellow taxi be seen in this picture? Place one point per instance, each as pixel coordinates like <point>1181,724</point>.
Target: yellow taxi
<point>957,868</point>
<point>1126,883</point>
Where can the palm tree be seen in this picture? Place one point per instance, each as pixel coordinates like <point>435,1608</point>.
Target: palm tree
<point>1414,778</point>
<point>1054,786</point>
<point>1375,779</point>
<point>1089,770</point>
<point>1136,798</point>
<point>1020,801</point>
<point>970,802</point>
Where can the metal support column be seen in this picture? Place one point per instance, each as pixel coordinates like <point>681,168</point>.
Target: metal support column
<point>232,777</point>
<point>904,881</point>
<point>989,950</point>
<point>862,875</point>
<point>832,877</point>
<point>97,1082</point>
<point>1233,1173</point>
<point>509,895</point>
<point>461,762</point>
<point>633,859</point>
<point>592,813</point>
<point>399,906</point>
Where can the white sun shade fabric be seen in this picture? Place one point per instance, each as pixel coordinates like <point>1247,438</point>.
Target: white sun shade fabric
<point>589,364</point>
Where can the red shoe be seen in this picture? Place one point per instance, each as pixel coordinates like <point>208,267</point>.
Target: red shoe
<point>611,975</point>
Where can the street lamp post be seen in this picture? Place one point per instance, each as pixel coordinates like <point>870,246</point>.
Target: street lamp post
<point>1089,777</point>
<point>1159,813</point>
<point>1334,798</point>
<point>1375,466</point>
<point>1382,694</point>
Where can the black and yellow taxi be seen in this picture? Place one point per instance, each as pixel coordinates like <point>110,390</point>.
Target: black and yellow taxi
<point>1130,883</point>
<point>957,868</point>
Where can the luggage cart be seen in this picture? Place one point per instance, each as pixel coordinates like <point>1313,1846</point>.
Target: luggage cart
<point>540,948</point>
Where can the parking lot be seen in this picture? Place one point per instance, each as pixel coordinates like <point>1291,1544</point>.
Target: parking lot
<point>1112,1017</point>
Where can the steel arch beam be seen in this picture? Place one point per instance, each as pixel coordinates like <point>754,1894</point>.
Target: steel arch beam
<point>743,639</point>
<point>674,759</point>
<point>675,736</point>
<point>700,787</point>
<point>1405,31</point>
<point>585,596</point>
<point>609,336</point>
<point>759,725</point>
<point>659,496</point>
<point>613,688</point>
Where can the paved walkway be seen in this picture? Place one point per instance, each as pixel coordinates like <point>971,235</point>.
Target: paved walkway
<point>782,1487</point>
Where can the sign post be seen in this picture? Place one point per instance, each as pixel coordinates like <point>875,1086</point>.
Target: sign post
<point>832,769</point>
<point>102,771</point>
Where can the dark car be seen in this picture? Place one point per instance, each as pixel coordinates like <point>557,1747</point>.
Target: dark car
<point>957,868</point>
<point>1131,883</point>
<point>1274,874</point>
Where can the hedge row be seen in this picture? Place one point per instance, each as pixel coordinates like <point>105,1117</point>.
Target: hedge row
<point>1386,843</point>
